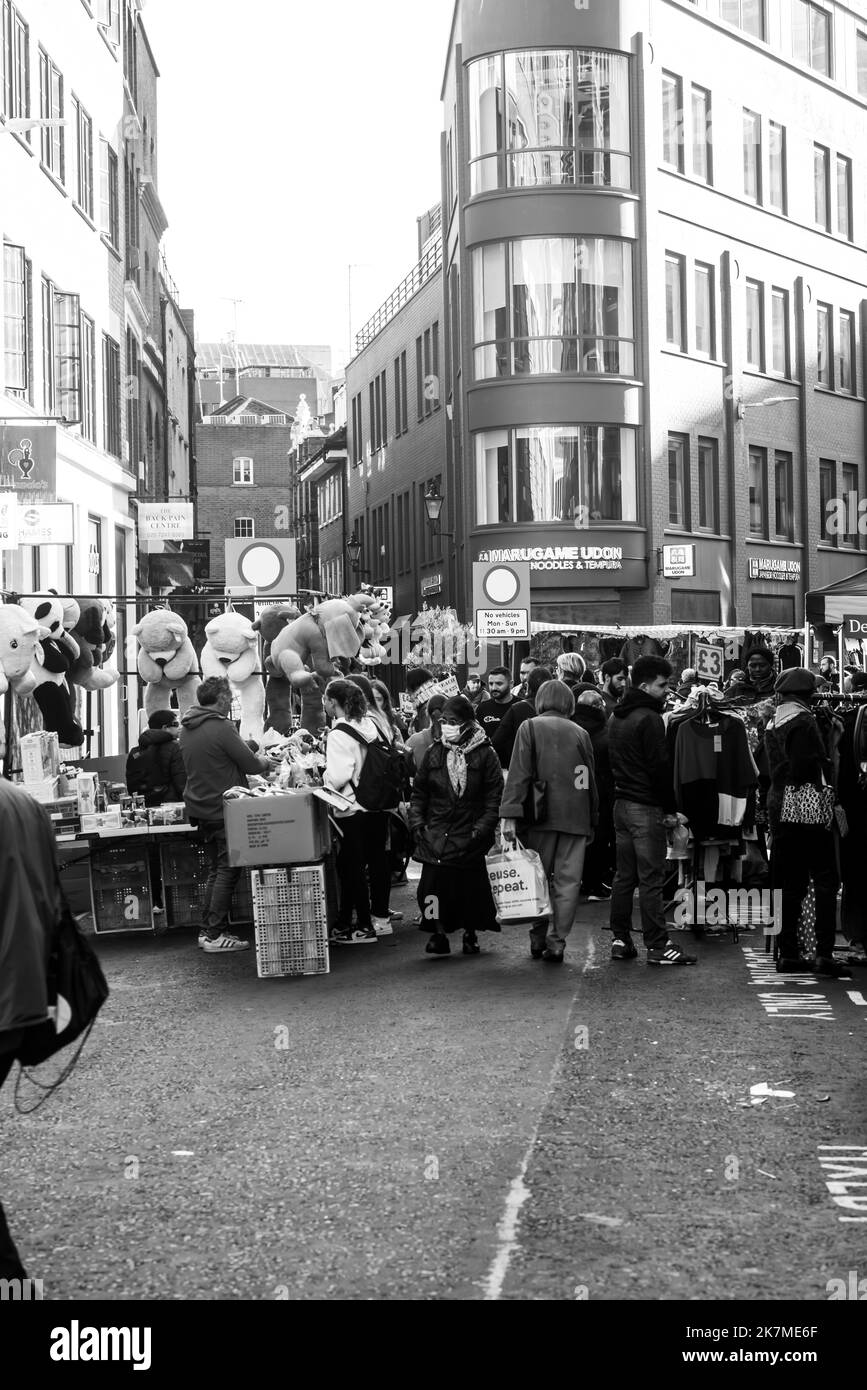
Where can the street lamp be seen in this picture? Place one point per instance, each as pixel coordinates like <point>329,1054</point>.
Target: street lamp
<point>743,406</point>
<point>353,550</point>
<point>433,505</point>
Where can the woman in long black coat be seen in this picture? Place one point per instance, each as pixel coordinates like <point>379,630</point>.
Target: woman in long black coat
<point>453,816</point>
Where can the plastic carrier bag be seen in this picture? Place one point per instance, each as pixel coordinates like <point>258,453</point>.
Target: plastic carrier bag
<point>518,882</point>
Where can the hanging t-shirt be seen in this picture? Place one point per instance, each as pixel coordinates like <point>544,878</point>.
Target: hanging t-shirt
<point>714,773</point>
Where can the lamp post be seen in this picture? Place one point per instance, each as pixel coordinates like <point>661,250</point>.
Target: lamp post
<point>433,505</point>
<point>353,550</point>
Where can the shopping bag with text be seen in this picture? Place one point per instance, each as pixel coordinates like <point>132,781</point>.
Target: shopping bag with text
<point>518,882</point>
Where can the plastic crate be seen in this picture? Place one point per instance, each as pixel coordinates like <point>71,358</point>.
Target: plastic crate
<point>184,863</point>
<point>242,902</point>
<point>183,903</point>
<point>291,911</point>
<point>121,890</point>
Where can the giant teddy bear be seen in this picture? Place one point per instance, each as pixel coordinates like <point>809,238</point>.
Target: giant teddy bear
<point>308,650</point>
<point>50,668</point>
<point>19,643</point>
<point>278,690</point>
<point>94,633</point>
<point>232,650</point>
<point>166,660</point>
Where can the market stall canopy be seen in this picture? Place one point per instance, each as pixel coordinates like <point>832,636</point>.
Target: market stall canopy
<point>834,602</point>
<point>664,632</point>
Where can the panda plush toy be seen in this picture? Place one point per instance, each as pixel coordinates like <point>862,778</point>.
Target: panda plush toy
<point>55,655</point>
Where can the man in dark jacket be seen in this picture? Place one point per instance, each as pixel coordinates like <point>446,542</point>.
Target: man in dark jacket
<point>215,759</point>
<point>517,714</point>
<point>590,715</point>
<point>615,678</point>
<point>644,808</point>
<point>28,892</point>
<point>155,768</point>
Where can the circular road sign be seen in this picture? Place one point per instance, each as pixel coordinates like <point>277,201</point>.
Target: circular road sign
<point>261,564</point>
<point>501,585</point>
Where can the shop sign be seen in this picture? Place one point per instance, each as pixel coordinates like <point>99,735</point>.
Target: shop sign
<point>431,584</point>
<point>47,523</point>
<point>621,564</point>
<point>678,561</point>
<point>853,626</point>
<point>8,521</point>
<point>200,554</point>
<point>774,567</point>
<point>28,459</point>
<point>165,521</point>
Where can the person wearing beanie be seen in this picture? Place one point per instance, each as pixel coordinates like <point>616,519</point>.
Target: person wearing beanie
<point>453,818</point>
<point>800,850</point>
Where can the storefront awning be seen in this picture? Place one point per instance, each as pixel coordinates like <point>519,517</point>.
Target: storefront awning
<point>834,602</point>
<point>667,631</point>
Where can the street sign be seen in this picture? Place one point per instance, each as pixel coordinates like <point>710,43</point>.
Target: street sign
<point>165,521</point>
<point>266,565</point>
<point>501,600</point>
<point>678,561</point>
<point>46,523</point>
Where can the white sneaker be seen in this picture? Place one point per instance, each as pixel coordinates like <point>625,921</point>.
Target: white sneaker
<point>382,926</point>
<point>203,937</point>
<point>227,941</point>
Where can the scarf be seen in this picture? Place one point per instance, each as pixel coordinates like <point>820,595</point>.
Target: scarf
<point>788,711</point>
<point>456,756</point>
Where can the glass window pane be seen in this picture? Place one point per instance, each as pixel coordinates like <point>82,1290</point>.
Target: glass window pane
<point>783,519</point>
<point>704,343</point>
<point>601,102</point>
<point>701,133</point>
<point>754,325</point>
<point>780,332</point>
<point>752,155</point>
<point>777,166</point>
<point>801,31</point>
<point>707,485</point>
<point>539,112</point>
<point>672,122</point>
<point>846,351</point>
<point>826,497</point>
<point>820,26</point>
<point>493,484</point>
<point>820,185</point>
<point>861,52</point>
<point>823,346</point>
<point>676,482</point>
<point>673,302</point>
<point>757,492</point>
<point>844,185</point>
<point>486,106</point>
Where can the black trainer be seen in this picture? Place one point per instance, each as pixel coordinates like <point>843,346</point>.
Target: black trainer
<point>832,969</point>
<point>669,954</point>
<point>623,948</point>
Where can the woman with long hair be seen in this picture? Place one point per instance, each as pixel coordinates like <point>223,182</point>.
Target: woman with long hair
<point>361,831</point>
<point>453,816</point>
<point>378,825</point>
<point>553,750</point>
<point>384,706</point>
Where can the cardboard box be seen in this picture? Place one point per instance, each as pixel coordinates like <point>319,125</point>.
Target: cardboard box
<point>291,828</point>
<point>100,820</point>
<point>45,791</point>
<point>40,756</point>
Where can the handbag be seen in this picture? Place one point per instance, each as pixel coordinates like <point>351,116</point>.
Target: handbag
<point>808,805</point>
<point>536,800</point>
<point>77,990</point>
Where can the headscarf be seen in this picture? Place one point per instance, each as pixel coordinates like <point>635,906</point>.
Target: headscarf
<point>473,736</point>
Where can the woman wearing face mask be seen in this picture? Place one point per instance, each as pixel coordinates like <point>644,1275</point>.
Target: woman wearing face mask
<point>453,816</point>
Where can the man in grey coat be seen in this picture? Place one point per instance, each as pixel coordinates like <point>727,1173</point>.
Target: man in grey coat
<point>553,750</point>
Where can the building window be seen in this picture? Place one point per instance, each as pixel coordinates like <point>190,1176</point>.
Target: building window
<point>84,157</point>
<point>755,326</point>
<point>702,166</point>
<point>569,302</point>
<point>678,481</point>
<point>675,331</point>
<point>16,64</point>
<point>822,187</point>
<point>827,496</point>
<point>844,196</point>
<point>108,193</point>
<point>752,137</point>
<point>133,394</point>
<point>111,395</point>
<point>849,478</point>
<point>780,332</point>
<point>400,411</point>
<point>378,413</point>
<point>88,379</point>
<point>61,352</point>
<point>846,353</point>
<point>549,117</point>
<point>758,492</point>
<point>427,370</point>
<point>672,121</point>
<point>704,310</point>
<point>357,427</point>
<point>777,166</point>
<point>549,473</point>
<point>708,485</point>
<point>784,512</point>
<point>244,528</point>
<point>108,19</point>
<point>811,36</point>
<point>329,500</point>
<point>17,321</point>
<point>861,59</point>
<point>824,346</point>
<point>242,472</point>
<point>744,14</point>
<point>695,606</point>
<point>51,108</point>
<point>773,610</point>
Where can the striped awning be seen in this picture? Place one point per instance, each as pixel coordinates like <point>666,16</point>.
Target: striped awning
<point>834,602</point>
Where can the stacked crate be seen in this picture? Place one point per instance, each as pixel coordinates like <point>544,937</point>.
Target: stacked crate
<point>291,911</point>
<point>121,888</point>
<point>184,869</point>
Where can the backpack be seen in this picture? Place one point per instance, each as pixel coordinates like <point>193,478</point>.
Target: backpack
<point>147,774</point>
<point>380,782</point>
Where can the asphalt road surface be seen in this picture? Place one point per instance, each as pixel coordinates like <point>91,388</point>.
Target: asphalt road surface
<point>464,1128</point>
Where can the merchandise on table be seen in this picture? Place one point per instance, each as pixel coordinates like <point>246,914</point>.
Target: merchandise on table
<point>40,756</point>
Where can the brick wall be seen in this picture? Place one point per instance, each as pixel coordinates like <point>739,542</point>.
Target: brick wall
<point>268,501</point>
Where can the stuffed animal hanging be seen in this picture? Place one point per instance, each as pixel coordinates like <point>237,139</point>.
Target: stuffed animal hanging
<point>95,640</point>
<point>278,690</point>
<point>232,650</point>
<point>308,650</point>
<point>166,660</point>
<point>50,668</point>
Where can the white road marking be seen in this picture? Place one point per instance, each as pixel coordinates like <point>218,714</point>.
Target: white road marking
<point>507,1230</point>
<point>856,997</point>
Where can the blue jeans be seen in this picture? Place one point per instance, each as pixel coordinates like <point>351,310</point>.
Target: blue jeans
<point>221,880</point>
<point>641,849</point>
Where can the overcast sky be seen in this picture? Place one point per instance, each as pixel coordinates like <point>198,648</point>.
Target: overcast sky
<point>294,139</point>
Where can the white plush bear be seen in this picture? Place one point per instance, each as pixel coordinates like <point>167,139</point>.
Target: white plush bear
<point>232,650</point>
<point>166,660</point>
<point>20,634</point>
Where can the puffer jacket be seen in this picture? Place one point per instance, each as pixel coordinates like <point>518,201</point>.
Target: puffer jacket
<point>449,829</point>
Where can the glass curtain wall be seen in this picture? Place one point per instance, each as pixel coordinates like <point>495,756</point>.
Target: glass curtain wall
<point>556,473</point>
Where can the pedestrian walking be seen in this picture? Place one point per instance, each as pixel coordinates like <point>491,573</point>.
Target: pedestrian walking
<point>474,690</point>
<point>521,690</point>
<point>571,669</point>
<point>383,705</point>
<point>491,712</point>
<point>215,758</point>
<point>522,710</point>
<point>591,716</point>
<point>453,817</point>
<point>802,846</point>
<point>644,809</point>
<point>418,744</point>
<point>550,749</point>
<point>31,908</point>
<point>615,678</point>
<point>361,851</point>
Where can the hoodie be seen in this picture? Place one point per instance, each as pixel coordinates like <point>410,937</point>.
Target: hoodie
<point>638,752</point>
<point>215,758</point>
<point>156,768</point>
<point>344,759</point>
